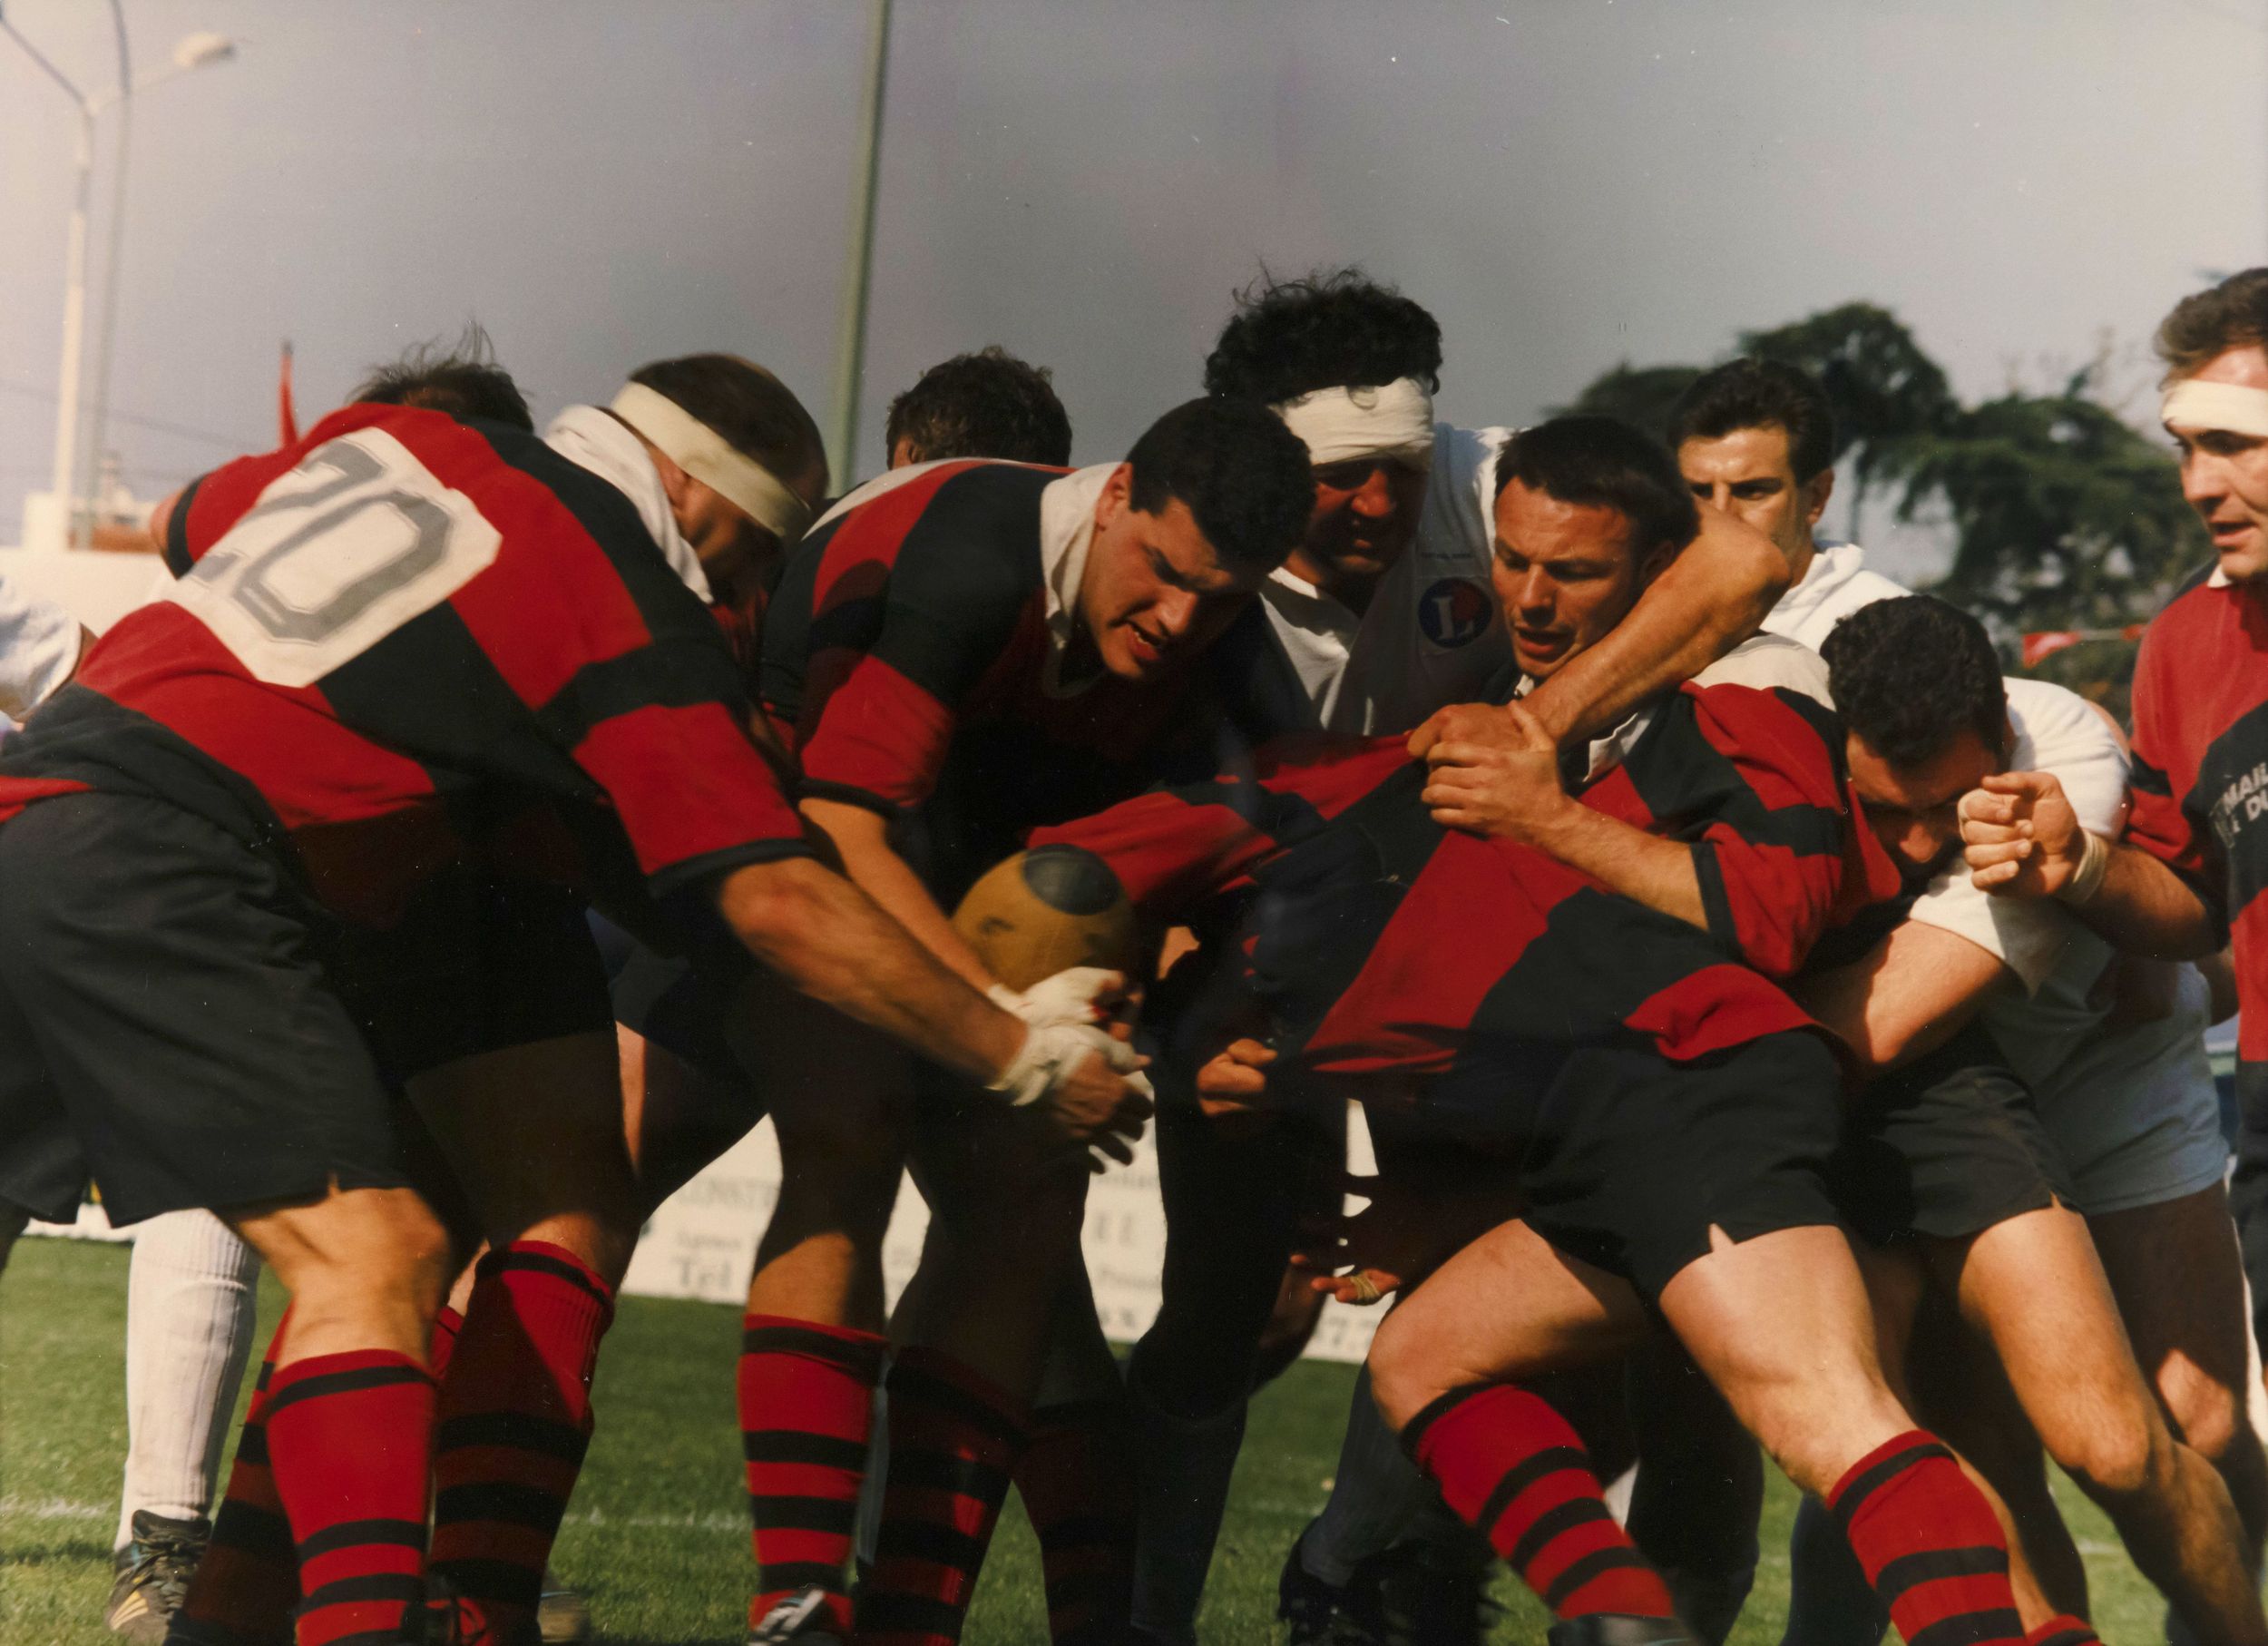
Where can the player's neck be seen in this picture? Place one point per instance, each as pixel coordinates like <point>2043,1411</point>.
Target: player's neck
<point>1353,590</point>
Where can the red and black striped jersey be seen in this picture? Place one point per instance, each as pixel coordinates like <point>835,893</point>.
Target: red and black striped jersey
<point>907,655</point>
<point>2199,774</point>
<point>1382,943</point>
<point>402,635</point>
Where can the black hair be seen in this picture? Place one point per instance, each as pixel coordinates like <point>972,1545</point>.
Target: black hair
<point>988,403</point>
<point>1241,472</point>
<point>1586,458</point>
<point>1909,676</point>
<point>2230,315</point>
<point>1335,328</point>
<point>1754,392</point>
<point>459,379</point>
<point>751,409</point>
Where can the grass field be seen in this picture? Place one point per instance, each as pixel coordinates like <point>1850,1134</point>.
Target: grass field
<point>657,1536</point>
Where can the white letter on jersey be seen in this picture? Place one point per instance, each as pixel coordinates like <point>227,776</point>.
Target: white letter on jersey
<point>348,547</point>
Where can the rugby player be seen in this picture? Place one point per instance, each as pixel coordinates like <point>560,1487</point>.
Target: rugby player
<point>1978,1185</point>
<point>988,403</point>
<point>1381,617</point>
<point>389,640</point>
<point>2189,873</point>
<point>964,651</point>
<point>1664,1117</point>
<point>2129,1109</point>
<point>190,1280</point>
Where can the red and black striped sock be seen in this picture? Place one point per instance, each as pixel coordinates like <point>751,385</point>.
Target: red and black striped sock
<point>953,1440</point>
<point>513,1426</point>
<point>446,1324</point>
<point>1513,1469</point>
<point>1930,1543</point>
<point>1076,1477</point>
<point>247,1579</point>
<point>349,1440</point>
<point>806,1396</point>
<point>2064,1631</point>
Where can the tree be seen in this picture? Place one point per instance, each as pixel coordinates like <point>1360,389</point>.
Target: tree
<point>2065,516</point>
<point>1642,395</point>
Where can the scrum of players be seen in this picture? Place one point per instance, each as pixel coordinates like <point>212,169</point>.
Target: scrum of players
<point>1775,1031</point>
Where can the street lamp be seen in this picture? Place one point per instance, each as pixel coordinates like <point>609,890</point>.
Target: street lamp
<point>194,52</point>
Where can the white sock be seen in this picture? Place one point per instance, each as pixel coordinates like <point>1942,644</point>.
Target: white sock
<point>190,1306</point>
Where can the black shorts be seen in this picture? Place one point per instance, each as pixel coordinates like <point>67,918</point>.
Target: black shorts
<point>1625,1160</point>
<point>178,1021</point>
<point>1945,1148</point>
<point>678,1006</point>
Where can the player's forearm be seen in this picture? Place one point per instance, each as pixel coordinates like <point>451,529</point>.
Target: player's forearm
<point>861,837</point>
<point>831,941</point>
<point>1914,991</point>
<point>1710,598</point>
<point>2144,907</point>
<point>1641,867</point>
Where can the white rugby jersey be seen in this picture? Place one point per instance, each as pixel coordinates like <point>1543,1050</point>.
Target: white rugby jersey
<point>1433,634</point>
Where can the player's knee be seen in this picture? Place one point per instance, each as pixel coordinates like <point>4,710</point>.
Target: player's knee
<point>2116,1459</point>
<point>1407,1373</point>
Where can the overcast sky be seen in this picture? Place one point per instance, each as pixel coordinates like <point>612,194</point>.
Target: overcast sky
<point>1567,183</point>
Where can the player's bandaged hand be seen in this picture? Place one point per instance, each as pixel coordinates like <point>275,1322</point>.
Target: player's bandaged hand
<point>1080,993</point>
<point>1086,1084</point>
<point>2021,837</point>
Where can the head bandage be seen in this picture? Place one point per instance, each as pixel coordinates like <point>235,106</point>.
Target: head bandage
<point>706,454</point>
<point>1339,424</point>
<point>2228,406</point>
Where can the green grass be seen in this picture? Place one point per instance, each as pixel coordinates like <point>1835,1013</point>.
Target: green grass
<point>657,1536</point>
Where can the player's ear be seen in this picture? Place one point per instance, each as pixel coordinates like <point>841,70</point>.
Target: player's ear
<point>1816,491</point>
<point>1116,498</point>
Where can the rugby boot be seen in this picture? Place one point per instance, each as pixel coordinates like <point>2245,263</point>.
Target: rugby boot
<point>1421,1601</point>
<point>151,1575</point>
<point>1614,1629</point>
<point>562,1615</point>
<point>801,1618</point>
<point>1321,1614</point>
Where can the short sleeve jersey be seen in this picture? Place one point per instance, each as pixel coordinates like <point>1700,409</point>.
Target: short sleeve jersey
<point>394,634</point>
<point>913,652</point>
<point>1384,946</point>
<point>1432,633</point>
<point>2201,774</point>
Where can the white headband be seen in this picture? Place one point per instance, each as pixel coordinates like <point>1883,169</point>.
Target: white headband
<point>1392,420</point>
<point>704,454</point>
<point>2228,406</point>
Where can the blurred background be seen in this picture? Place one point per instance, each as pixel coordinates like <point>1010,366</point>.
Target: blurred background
<point>1969,216</point>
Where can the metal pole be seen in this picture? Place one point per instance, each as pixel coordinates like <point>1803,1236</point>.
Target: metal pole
<point>107,329</point>
<point>74,326</point>
<point>850,336</point>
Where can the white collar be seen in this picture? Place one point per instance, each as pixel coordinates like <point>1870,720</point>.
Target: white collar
<point>1605,752</point>
<point>1067,530</point>
<point>591,438</point>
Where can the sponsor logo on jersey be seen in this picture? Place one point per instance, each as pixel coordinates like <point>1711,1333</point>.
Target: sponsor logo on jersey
<point>1455,612</point>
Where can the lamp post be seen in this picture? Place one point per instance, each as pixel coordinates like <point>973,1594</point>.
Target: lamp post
<point>194,52</point>
<point>850,336</point>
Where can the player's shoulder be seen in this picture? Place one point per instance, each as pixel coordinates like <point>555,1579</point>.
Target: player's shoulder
<point>971,518</point>
<point>1766,663</point>
<point>2058,722</point>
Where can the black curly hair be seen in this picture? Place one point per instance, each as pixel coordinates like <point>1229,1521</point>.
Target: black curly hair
<point>1335,329</point>
<point>1909,676</point>
<point>989,404</point>
<point>1242,473</point>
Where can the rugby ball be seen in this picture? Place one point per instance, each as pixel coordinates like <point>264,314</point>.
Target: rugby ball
<point>1041,911</point>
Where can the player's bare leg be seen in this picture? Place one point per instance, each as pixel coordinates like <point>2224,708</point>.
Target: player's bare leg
<point>972,1334</point>
<point>348,1409</point>
<point>1511,1307</point>
<point>2189,1337</point>
<point>2033,1286</point>
<point>534,1132</point>
<point>812,1345</point>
